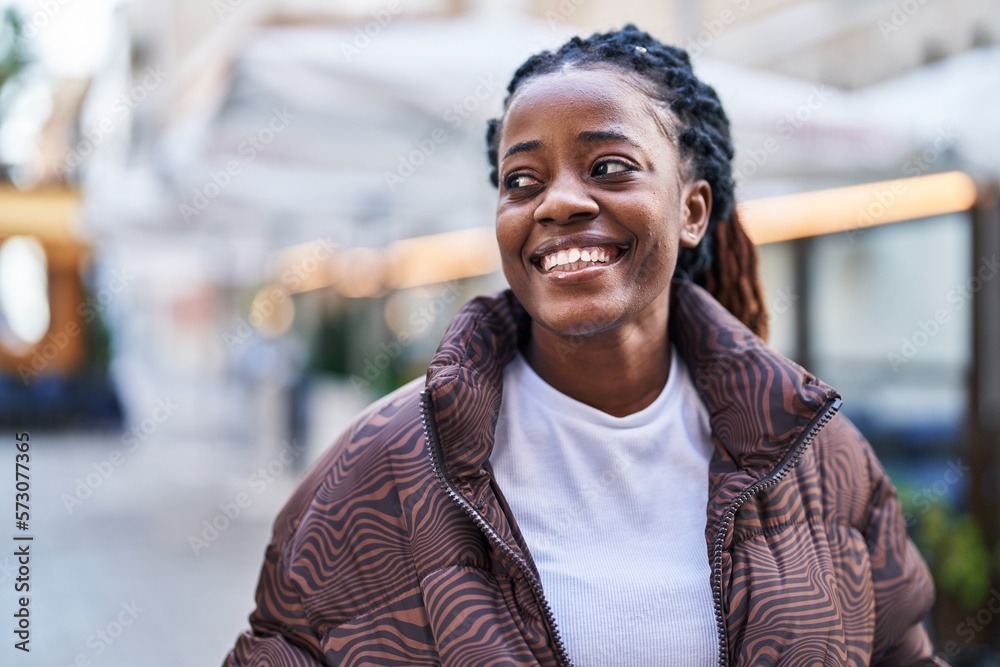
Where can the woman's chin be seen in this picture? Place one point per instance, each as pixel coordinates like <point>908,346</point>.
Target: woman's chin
<point>575,322</point>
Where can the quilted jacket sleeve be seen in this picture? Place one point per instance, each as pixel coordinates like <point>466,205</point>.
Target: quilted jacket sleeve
<point>904,590</point>
<point>279,634</point>
<point>284,631</point>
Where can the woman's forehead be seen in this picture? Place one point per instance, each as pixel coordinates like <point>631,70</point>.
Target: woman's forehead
<point>598,83</point>
<point>595,97</point>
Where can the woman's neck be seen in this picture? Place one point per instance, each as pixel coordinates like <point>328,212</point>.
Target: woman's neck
<point>619,371</point>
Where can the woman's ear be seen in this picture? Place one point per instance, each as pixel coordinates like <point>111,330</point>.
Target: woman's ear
<point>696,202</point>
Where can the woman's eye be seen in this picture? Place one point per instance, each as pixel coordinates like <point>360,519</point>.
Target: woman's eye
<point>515,181</point>
<point>611,167</point>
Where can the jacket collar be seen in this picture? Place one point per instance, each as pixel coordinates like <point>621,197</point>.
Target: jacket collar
<point>758,401</point>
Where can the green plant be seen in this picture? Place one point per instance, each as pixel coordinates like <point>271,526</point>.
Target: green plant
<point>14,57</point>
<point>955,547</point>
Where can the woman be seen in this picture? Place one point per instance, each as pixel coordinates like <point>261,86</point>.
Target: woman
<point>604,464</point>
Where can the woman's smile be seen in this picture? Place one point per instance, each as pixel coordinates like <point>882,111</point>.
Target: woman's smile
<point>570,260</point>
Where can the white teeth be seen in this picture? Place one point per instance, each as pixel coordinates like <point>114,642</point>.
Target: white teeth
<point>575,258</point>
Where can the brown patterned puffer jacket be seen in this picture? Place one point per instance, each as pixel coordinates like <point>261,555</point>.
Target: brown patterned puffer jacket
<point>399,549</point>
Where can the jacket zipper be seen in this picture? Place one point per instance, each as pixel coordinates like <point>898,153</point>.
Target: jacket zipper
<point>434,448</point>
<point>787,463</point>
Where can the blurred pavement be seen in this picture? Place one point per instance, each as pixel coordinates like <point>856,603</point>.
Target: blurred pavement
<point>124,555</point>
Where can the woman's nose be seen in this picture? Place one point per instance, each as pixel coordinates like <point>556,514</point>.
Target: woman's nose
<point>565,200</point>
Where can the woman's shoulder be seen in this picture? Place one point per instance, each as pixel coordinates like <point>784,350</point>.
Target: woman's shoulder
<point>399,407</point>
<point>848,470</point>
<point>387,430</point>
<point>388,423</point>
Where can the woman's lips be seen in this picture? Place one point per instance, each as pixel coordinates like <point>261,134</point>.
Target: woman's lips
<point>578,257</point>
<point>568,266</point>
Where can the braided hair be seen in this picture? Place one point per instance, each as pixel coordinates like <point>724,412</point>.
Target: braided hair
<point>725,261</point>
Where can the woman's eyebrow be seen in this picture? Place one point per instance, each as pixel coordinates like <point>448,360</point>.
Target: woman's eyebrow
<point>593,136</point>
<point>588,136</point>
<point>522,147</point>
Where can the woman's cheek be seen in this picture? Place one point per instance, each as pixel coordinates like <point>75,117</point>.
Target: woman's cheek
<point>510,244</point>
<point>504,235</point>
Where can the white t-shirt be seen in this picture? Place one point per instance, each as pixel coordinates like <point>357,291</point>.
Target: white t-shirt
<point>613,512</point>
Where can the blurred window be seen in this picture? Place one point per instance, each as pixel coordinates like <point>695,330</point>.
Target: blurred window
<point>890,317</point>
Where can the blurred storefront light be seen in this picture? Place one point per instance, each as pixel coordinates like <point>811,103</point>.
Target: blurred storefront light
<point>361,273</point>
<point>24,292</point>
<point>402,312</point>
<point>856,207</point>
<point>438,258</point>
<point>413,262</point>
<point>272,310</point>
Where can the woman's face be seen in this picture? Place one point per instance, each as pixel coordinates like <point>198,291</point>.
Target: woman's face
<point>593,203</point>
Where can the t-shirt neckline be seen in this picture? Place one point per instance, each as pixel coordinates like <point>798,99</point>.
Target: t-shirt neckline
<point>549,396</point>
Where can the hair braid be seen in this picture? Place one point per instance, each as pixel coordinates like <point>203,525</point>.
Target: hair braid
<point>725,262</point>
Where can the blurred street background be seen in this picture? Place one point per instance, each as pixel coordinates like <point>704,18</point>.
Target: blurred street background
<point>226,226</point>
